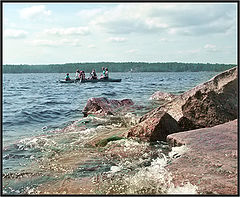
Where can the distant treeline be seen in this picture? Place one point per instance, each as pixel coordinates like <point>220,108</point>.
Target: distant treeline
<point>116,67</point>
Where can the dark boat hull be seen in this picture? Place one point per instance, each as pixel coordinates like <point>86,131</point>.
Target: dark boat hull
<point>90,80</point>
<point>69,81</point>
<point>100,80</point>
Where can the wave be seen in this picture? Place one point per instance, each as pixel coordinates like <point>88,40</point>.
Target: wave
<point>14,156</point>
<point>54,103</point>
<point>34,116</point>
<point>146,174</point>
<point>109,94</point>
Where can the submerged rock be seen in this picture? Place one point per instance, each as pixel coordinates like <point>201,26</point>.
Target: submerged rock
<point>162,96</point>
<point>104,106</point>
<point>211,159</point>
<point>155,128</point>
<point>211,103</point>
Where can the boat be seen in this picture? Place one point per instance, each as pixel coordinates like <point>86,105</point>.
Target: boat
<point>100,80</point>
<point>90,80</point>
<point>69,81</point>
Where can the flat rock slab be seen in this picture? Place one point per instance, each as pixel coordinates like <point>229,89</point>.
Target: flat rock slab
<point>210,162</point>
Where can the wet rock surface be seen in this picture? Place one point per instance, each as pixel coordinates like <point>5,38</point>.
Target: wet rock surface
<point>155,128</point>
<point>211,160</point>
<point>104,106</point>
<point>211,103</point>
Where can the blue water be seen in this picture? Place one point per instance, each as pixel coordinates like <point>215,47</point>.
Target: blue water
<point>35,103</point>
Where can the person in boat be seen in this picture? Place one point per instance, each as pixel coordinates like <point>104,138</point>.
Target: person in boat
<point>106,73</point>
<point>77,74</point>
<point>103,73</point>
<point>82,75</point>
<point>67,77</point>
<point>93,74</point>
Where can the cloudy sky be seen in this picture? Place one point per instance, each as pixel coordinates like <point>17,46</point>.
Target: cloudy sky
<point>43,33</point>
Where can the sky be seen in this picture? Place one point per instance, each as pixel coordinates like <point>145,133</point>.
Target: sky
<point>52,33</point>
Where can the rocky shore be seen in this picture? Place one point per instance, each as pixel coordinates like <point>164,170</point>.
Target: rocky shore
<point>204,119</point>
<point>186,145</point>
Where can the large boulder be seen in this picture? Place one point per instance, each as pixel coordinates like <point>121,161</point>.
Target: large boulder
<point>210,160</point>
<point>211,103</point>
<point>103,106</point>
<point>155,128</point>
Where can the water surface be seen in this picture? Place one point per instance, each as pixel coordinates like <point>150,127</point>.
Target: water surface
<point>35,106</point>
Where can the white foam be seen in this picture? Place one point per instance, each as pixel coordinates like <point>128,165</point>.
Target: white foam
<point>188,188</point>
<point>177,151</point>
<point>115,169</point>
<point>37,142</point>
<point>154,179</point>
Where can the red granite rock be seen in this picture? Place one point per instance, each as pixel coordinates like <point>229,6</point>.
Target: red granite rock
<point>155,128</point>
<point>211,103</point>
<point>211,159</point>
<point>104,106</point>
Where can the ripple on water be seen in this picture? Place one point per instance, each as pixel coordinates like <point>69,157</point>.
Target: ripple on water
<point>109,93</point>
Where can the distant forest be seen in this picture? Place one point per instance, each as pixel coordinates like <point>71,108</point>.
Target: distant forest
<point>116,67</point>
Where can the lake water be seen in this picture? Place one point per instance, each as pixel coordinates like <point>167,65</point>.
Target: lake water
<point>35,104</point>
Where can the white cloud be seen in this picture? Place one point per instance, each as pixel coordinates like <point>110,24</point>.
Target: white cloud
<point>38,11</point>
<point>15,33</point>
<point>206,48</point>
<point>163,39</point>
<point>166,40</point>
<point>89,13</point>
<point>152,23</point>
<point>172,31</point>
<point>7,24</point>
<point>91,46</point>
<point>117,39</point>
<point>129,18</point>
<point>56,43</point>
<point>194,51</point>
<point>132,51</point>
<point>180,18</point>
<point>191,51</point>
<point>210,47</point>
<point>68,31</point>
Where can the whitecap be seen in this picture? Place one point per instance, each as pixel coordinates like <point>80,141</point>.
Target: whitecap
<point>115,169</point>
<point>188,188</point>
<point>177,151</point>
